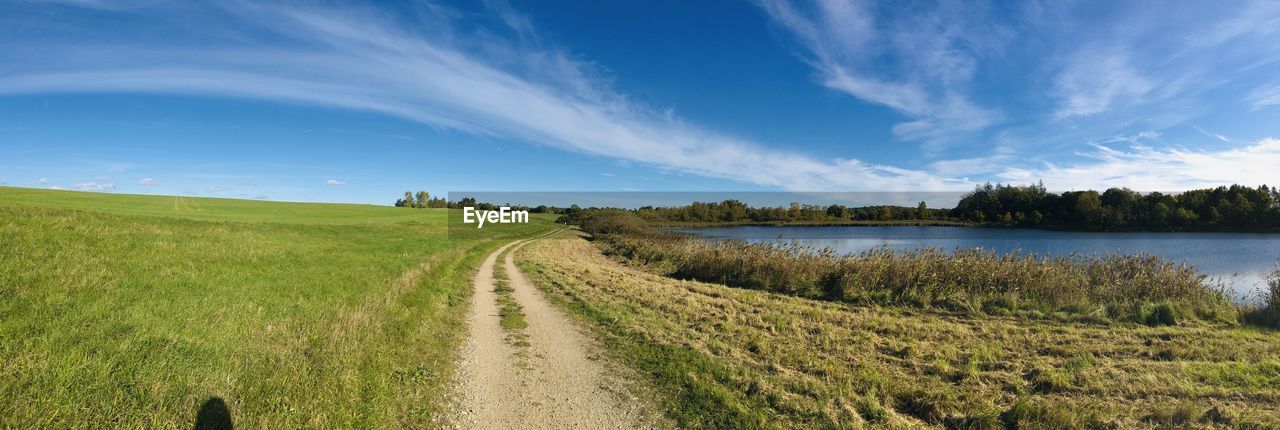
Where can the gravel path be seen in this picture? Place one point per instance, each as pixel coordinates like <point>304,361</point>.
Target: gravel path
<point>556,382</point>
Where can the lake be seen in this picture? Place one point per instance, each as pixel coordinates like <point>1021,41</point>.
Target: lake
<point>1241,260</point>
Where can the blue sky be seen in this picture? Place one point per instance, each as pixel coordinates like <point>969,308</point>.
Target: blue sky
<point>357,102</point>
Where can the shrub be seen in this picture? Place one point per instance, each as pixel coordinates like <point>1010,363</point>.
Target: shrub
<point>1161,315</point>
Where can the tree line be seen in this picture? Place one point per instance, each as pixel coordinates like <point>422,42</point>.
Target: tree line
<point>1233,208</point>
<point>423,199</point>
<point>1227,208</point>
<point>736,211</point>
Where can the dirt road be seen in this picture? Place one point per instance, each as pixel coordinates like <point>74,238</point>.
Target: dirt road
<point>554,382</point>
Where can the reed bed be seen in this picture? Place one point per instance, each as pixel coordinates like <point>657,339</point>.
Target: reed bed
<point>1137,288</point>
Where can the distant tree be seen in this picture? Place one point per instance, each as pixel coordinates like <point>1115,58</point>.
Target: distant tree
<point>1088,208</point>
<point>420,199</point>
<point>408,199</point>
<point>1160,215</point>
<point>835,211</point>
<point>1227,208</point>
<point>885,213</point>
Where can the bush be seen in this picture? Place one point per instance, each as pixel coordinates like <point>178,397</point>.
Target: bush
<point>607,221</point>
<point>1161,315</point>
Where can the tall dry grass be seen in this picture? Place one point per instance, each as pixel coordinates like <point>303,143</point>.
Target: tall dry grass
<point>1266,310</point>
<point>1138,288</point>
<point>736,358</point>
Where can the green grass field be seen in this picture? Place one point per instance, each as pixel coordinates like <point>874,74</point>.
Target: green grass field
<point>129,311</point>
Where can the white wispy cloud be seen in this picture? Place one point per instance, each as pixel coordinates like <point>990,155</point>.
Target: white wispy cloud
<point>335,182</point>
<point>42,181</point>
<point>95,186</point>
<point>99,4</point>
<point>1159,62</point>
<point>447,81</point>
<point>1150,169</point>
<point>1264,96</point>
<point>937,49</point>
<point>1213,135</point>
<point>1095,80</point>
<point>149,181</point>
<point>975,166</point>
<point>55,187</point>
<point>1140,138</point>
<point>920,63</point>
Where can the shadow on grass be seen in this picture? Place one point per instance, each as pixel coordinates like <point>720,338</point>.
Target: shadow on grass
<point>214,415</point>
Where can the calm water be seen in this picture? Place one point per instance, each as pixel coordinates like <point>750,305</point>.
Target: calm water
<point>1241,260</point>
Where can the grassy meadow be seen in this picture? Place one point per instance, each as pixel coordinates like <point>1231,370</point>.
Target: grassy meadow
<point>746,358</point>
<point>134,311</point>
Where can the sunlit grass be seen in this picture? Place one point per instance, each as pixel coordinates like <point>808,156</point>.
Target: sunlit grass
<point>1137,288</point>
<point>132,311</point>
<point>740,358</point>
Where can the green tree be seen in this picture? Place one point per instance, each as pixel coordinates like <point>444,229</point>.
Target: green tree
<point>1088,208</point>
<point>420,199</point>
<point>836,211</point>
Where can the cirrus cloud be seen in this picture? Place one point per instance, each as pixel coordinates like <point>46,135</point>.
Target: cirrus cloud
<point>936,50</point>
<point>476,85</point>
<point>1146,168</point>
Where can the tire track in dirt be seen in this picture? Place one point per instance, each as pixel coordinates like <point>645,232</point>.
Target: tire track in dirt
<point>558,384</point>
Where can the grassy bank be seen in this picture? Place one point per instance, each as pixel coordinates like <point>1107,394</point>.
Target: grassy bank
<point>134,311</point>
<point>1120,287</point>
<point>732,357</point>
